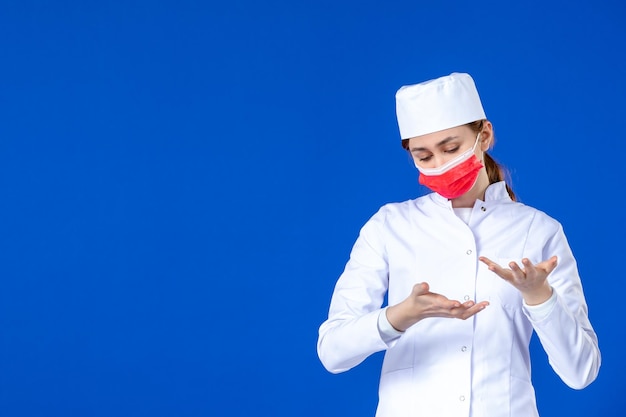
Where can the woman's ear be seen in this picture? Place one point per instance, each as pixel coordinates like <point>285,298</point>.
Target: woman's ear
<point>486,136</point>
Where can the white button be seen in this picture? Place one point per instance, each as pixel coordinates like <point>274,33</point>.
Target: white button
<point>483,208</point>
<point>466,298</point>
<point>469,252</point>
<point>464,348</point>
<point>462,398</point>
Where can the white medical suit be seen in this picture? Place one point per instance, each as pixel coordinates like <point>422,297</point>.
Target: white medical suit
<point>442,367</point>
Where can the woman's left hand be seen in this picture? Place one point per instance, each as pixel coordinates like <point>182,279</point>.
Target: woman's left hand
<point>531,280</point>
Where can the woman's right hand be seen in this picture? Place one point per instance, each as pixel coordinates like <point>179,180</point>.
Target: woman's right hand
<point>422,303</point>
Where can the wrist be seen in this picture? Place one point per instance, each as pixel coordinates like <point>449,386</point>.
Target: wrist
<point>539,296</point>
<point>398,318</point>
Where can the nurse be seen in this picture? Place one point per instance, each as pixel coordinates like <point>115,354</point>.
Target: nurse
<point>468,272</point>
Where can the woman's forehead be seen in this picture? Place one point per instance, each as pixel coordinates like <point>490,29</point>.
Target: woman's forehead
<point>440,138</point>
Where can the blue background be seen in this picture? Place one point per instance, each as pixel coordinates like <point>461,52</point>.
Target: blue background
<point>182,183</point>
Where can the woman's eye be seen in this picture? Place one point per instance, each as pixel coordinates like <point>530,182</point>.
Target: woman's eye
<point>452,150</point>
<point>424,158</point>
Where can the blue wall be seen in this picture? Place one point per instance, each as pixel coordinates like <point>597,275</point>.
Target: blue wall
<point>182,183</point>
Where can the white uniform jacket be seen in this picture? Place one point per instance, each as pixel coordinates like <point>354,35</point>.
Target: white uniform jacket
<point>440,367</point>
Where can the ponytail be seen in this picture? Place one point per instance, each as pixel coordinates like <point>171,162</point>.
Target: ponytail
<point>497,173</point>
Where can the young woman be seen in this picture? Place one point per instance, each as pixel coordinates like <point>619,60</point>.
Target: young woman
<point>469,274</point>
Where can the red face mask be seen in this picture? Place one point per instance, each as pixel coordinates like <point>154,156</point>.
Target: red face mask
<point>455,177</point>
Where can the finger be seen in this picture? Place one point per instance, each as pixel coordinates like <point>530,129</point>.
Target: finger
<point>518,274</point>
<point>549,265</point>
<point>546,266</point>
<point>530,269</point>
<point>468,305</point>
<point>478,307</point>
<point>491,265</point>
<point>422,291</point>
<point>448,304</point>
<point>553,262</point>
<point>487,261</point>
<point>503,273</point>
<point>473,311</point>
<point>421,288</point>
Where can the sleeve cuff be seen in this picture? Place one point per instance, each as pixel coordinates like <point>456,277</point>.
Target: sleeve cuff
<point>386,330</point>
<point>540,311</point>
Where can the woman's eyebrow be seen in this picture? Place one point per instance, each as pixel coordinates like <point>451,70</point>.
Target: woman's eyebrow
<point>440,143</point>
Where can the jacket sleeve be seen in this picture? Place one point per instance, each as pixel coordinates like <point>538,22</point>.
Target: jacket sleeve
<point>565,332</point>
<point>350,334</point>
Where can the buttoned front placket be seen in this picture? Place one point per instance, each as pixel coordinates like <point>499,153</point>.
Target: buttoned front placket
<point>461,393</point>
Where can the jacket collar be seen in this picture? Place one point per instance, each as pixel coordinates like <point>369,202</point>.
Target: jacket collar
<point>494,192</point>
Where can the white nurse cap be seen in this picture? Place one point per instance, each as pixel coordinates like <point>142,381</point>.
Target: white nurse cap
<point>437,104</point>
